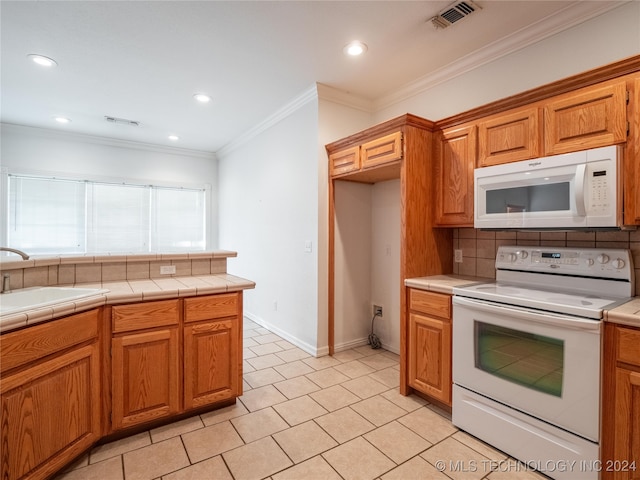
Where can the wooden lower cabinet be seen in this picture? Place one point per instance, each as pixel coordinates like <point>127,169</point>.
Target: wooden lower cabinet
<point>621,404</point>
<point>429,351</point>
<point>146,377</point>
<point>212,353</point>
<point>51,407</point>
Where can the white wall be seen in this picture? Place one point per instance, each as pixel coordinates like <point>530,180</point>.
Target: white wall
<point>268,199</point>
<point>385,261</point>
<point>36,150</point>
<point>608,38</point>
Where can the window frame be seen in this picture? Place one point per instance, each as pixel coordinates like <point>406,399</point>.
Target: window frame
<point>206,188</point>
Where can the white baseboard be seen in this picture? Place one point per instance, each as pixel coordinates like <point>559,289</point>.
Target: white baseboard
<point>310,349</point>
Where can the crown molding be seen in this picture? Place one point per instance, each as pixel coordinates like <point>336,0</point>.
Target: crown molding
<point>105,141</point>
<point>309,95</point>
<point>331,94</point>
<point>570,16</point>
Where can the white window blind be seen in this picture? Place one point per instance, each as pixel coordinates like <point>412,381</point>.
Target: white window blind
<point>50,215</point>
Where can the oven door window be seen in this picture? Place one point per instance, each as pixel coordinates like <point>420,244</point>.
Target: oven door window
<point>533,361</point>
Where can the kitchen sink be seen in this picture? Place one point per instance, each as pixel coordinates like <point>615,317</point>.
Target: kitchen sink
<point>36,297</point>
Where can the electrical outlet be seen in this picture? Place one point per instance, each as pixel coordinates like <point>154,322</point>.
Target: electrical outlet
<point>377,310</point>
<point>167,270</point>
<point>457,256</point>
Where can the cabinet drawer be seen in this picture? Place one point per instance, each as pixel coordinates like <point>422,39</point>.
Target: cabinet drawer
<point>127,318</point>
<point>212,306</point>
<point>382,150</point>
<point>29,345</point>
<point>345,161</point>
<point>509,138</point>
<point>629,345</point>
<point>430,303</point>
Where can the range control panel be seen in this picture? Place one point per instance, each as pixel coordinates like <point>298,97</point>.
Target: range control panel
<point>590,262</point>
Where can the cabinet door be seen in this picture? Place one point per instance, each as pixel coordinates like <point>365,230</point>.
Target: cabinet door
<point>50,413</point>
<point>631,172</point>
<point>210,362</point>
<point>146,376</point>
<point>381,150</point>
<point>430,356</point>
<point>344,161</point>
<point>510,137</point>
<point>626,461</point>
<point>457,158</point>
<point>588,118</point>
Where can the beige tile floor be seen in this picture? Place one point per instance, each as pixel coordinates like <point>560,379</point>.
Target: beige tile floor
<point>302,417</point>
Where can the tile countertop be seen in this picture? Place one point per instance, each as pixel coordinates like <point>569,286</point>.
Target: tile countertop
<point>126,291</point>
<point>443,283</point>
<point>626,314</point>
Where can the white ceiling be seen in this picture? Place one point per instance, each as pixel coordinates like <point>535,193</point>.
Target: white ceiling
<point>143,60</point>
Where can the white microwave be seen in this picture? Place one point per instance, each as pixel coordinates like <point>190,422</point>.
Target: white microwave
<point>573,190</point>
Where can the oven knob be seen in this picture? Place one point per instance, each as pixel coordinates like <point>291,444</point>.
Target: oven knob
<point>512,257</point>
<point>524,254</point>
<point>618,263</point>
<point>590,262</point>
<point>602,258</point>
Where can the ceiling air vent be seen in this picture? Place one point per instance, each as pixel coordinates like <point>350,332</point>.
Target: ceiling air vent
<point>454,13</point>
<point>122,121</point>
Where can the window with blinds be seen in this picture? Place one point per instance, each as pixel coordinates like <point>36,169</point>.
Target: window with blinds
<point>51,215</point>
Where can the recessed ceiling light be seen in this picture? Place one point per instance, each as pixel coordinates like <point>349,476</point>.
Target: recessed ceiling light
<point>42,60</point>
<point>355,48</point>
<point>202,97</point>
<point>174,138</point>
<point>62,119</point>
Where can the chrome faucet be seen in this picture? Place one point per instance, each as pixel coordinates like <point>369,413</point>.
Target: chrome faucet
<point>15,250</point>
<point>6,283</point>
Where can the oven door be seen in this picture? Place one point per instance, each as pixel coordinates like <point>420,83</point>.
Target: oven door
<point>543,364</point>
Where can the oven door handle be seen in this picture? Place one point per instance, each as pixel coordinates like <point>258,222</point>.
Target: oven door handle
<point>547,318</point>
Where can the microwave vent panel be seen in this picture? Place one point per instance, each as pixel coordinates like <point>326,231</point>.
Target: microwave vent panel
<point>454,13</point>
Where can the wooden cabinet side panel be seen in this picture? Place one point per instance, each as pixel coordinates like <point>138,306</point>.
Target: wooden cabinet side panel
<point>210,365</point>
<point>592,117</point>
<point>509,138</point>
<point>25,346</point>
<point>146,378</point>
<point>457,152</point>
<point>50,414</point>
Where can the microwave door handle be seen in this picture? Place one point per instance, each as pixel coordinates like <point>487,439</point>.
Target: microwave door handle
<point>581,172</point>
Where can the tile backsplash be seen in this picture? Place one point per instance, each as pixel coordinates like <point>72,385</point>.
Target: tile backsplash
<point>479,247</point>
<point>91,269</point>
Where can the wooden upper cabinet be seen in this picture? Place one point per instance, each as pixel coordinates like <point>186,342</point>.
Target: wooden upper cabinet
<point>381,150</point>
<point>456,161</point>
<point>509,137</point>
<point>631,160</point>
<point>344,161</point>
<point>587,118</point>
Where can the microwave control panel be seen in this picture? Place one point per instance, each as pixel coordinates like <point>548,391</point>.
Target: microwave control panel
<point>599,188</point>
